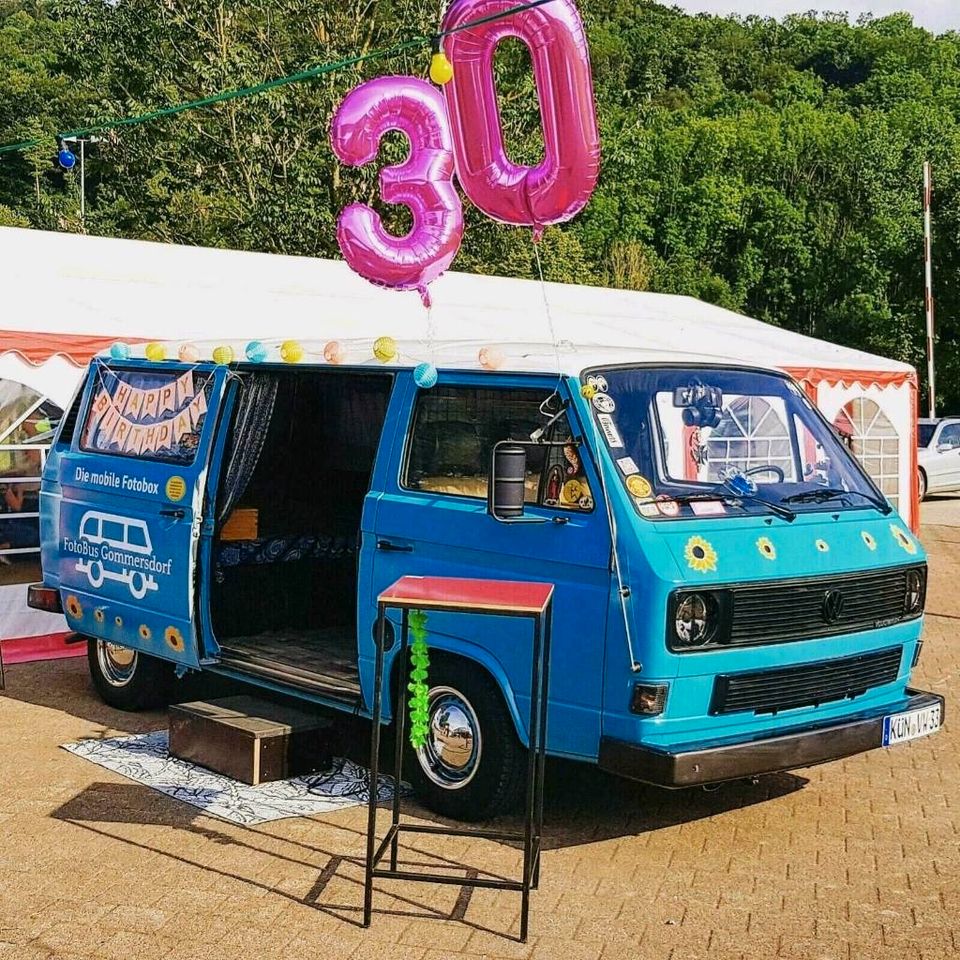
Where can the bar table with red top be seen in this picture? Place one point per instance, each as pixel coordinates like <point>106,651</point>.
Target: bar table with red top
<point>501,598</point>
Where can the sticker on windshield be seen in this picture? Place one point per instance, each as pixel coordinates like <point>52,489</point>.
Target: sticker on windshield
<point>627,466</point>
<point>639,486</point>
<point>647,509</point>
<point>708,508</point>
<point>609,429</point>
<point>604,403</point>
<point>599,383</point>
<point>668,507</point>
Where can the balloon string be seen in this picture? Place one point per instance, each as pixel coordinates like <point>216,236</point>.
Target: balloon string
<point>546,307</point>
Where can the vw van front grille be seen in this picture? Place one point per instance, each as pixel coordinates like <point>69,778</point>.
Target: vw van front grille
<point>820,607</point>
<point>809,685</point>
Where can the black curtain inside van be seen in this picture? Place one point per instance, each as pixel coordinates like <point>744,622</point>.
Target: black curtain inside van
<point>258,393</point>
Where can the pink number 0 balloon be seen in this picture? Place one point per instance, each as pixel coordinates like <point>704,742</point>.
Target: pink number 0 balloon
<point>560,186</point>
<point>424,183</point>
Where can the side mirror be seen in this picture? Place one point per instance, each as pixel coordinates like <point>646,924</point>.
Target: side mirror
<point>507,481</point>
<point>944,447</point>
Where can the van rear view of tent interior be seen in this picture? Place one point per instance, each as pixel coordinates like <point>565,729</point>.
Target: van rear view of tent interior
<point>283,570</point>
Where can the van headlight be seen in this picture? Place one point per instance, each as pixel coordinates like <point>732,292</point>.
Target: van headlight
<point>915,592</point>
<point>698,619</point>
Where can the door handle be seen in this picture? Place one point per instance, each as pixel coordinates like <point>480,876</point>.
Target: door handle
<point>388,546</point>
<point>177,514</point>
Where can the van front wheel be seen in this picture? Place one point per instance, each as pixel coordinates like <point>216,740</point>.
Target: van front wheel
<point>472,764</point>
<point>126,679</point>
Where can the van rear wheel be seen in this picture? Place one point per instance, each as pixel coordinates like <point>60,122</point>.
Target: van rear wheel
<point>472,765</point>
<point>127,679</point>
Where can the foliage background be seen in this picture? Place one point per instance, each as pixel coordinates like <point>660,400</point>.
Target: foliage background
<point>770,167</point>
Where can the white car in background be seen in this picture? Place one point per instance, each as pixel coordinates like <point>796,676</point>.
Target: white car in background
<point>938,455</point>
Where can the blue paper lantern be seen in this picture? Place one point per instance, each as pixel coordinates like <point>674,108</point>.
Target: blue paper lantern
<point>256,351</point>
<point>425,375</point>
<point>120,351</point>
<point>66,159</point>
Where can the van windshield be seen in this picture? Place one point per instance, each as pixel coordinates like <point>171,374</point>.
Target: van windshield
<point>708,442</point>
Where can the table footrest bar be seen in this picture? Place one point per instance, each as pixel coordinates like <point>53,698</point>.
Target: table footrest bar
<point>457,832</point>
<point>488,883</point>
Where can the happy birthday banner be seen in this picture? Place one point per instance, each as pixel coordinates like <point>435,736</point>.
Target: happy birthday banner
<point>120,418</point>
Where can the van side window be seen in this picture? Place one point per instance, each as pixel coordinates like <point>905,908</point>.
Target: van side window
<point>150,415</point>
<point>454,432</point>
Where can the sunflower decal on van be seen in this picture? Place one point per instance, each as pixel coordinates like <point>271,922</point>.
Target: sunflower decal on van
<point>74,608</point>
<point>901,537</point>
<point>174,639</point>
<point>868,540</point>
<point>766,548</point>
<point>700,555</point>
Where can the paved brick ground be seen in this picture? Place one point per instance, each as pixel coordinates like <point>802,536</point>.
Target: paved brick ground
<point>854,860</point>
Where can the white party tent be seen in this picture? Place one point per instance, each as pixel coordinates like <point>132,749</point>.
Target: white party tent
<point>68,297</point>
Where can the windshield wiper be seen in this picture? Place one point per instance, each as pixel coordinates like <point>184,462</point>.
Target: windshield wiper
<point>823,494</point>
<point>736,500</point>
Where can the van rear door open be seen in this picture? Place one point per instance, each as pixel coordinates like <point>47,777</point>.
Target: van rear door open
<point>133,487</point>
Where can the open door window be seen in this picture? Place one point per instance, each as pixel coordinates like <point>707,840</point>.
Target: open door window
<point>134,495</point>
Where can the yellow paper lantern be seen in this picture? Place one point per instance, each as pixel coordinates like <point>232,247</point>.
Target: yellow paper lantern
<point>188,353</point>
<point>385,349</point>
<point>291,351</point>
<point>223,354</point>
<point>334,352</point>
<point>156,352</point>
<point>441,69</point>
<point>491,358</point>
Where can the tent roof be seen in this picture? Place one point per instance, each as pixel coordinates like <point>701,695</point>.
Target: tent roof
<point>74,295</point>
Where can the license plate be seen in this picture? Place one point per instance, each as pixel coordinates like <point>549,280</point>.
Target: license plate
<point>900,727</point>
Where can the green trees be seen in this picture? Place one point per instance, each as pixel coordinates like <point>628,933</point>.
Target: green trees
<point>770,167</point>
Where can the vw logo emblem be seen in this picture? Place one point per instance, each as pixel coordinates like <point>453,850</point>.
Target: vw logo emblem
<point>833,605</point>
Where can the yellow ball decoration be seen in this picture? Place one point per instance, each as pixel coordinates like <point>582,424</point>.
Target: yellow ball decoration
<point>291,351</point>
<point>588,391</point>
<point>223,354</point>
<point>156,352</point>
<point>385,349</point>
<point>441,69</point>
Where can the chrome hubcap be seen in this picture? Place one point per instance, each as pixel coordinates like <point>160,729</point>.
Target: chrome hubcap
<point>451,756</point>
<point>117,664</point>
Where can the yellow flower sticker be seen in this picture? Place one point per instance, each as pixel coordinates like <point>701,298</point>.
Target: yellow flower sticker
<point>118,621</point>
<point>98,614</point>
<point>901,537</point>
<point>145,632</point>
<point>823,546</point>
<point>868,540</point>
<point>174,639</point>
<point>700,555</point>
<point>74,608</point>
<point>766,548</point>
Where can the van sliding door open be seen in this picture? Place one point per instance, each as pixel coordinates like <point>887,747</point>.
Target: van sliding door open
<point>133,500</point>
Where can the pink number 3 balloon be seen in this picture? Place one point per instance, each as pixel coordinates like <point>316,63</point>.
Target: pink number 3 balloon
<point>560,186</point>
<point>424,183</point>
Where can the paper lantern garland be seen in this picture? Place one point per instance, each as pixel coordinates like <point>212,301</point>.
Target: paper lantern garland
<point>291,351</point>
<point>156,352</point>
<point>223,354</point>
<point>334,352</point>
<point>188,353</point>
<point>419,702</point>
<point>425,376</point>
<point>120,351</point>
<point>385,349</point>
<point>256,351</point>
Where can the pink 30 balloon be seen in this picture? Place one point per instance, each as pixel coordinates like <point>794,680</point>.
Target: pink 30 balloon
<point>424,182</point>
<point>559,187</point>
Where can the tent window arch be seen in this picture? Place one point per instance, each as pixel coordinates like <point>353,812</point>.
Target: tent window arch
<point>751,433</point>
<point>873,440</point>
<point>27,423</point>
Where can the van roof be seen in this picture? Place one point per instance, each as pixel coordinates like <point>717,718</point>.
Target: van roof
<point>127,289</point>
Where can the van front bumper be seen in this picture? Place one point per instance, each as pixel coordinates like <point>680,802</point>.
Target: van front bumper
<point>733,760</point>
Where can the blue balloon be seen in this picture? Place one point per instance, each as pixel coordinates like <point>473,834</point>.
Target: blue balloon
<point>256,351</point>
<point>119,351</point>
<point>425,375</point>
<point>66,159</point>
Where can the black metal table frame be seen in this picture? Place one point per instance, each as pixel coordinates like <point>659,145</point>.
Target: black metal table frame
<point>536,757</point>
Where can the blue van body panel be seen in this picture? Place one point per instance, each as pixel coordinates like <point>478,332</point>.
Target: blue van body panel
<point>128,531</point>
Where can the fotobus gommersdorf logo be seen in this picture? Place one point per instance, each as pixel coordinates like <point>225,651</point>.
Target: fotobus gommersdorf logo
<point>113,547</point>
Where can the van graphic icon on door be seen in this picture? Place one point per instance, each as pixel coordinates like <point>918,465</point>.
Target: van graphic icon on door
<point>117,548</point>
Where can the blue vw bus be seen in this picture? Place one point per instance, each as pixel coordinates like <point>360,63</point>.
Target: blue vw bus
<point>734,596</point>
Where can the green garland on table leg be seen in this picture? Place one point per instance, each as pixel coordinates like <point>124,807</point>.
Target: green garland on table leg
<point>419,692</point>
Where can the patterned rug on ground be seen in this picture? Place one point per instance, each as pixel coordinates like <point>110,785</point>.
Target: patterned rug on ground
<point>146,759</point>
